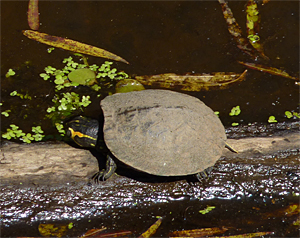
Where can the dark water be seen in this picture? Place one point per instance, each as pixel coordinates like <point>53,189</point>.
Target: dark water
<point>247,215</point>
<point>155,37</point>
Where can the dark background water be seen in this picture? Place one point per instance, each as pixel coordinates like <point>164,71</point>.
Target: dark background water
<point>155,37</point>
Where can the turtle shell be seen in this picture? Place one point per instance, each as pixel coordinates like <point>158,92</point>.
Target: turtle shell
<point>162,132</point>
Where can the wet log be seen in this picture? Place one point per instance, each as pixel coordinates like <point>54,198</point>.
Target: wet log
<point>59,174</point>
<point>59,163</point>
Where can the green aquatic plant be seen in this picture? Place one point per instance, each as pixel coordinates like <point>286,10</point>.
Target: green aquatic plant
<point>22,96</point>
<point>289,114</point>
<point>235,111</point>
<point>82,76</point>
<point>14,133</point>
<point>75,74</point>
<point>207,209</point>
<point>49,50</point>
<point>60,128</point>
<point>6,113</point>
<point>64,106</point>
<point>69,102</point>
<point>272,119</point>
<point>10,73</point>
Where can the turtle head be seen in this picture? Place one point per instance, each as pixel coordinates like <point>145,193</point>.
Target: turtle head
<point>83,130</point>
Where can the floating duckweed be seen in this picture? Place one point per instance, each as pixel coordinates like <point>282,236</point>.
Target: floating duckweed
<point>289,114</point>
<point>70,225</point>
<point>235,111</point>
<point>272,119</point>
<point>22,96</point>
<point>60,128</point>
<point>253,38</point>
<point>6,113</point>
<point>14,93</point>
<point>10,73</point>
<point>296,114</point>
<point>207,209</point>
<point>15,133</point>
<point>74,74</point>
<point>68,103</point>
<point>49,50</point>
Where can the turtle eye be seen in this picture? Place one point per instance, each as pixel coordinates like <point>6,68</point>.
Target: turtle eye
<point>69,132</point>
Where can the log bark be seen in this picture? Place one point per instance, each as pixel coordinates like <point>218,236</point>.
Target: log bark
<point>59,163</point>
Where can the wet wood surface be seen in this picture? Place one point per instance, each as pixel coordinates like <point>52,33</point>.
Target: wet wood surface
<point>57,163</point>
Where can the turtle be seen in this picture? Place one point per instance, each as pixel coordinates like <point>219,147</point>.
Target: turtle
<point>159,132</point>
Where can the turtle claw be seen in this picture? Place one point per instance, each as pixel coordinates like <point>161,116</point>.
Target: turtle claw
<point>97,177</point>
<point>105,173</point>
<point>204,175</point>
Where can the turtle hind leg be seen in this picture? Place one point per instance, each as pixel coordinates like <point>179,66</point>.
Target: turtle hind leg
<point>105,173</point>
<point>204,175</point>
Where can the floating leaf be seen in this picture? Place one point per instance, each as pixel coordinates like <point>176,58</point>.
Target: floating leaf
<point>253,25</point>
<point>265,2</point>
<point>53,230</point>
<point>97,233</point>
<point>82,76</point>
<point>194,82</point>
<point>152,229</point>
<point>71,45</point>
<point>249,235</point>
<point>198,232</point>
<point>33,14</point>
<point>291,210</point>
<point>269,70</point>
<point>114,234</point>
<point>92,232</point>
<point>128,85</point>
<point>235,30</point>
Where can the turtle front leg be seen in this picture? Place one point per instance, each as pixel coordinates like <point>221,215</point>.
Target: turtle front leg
<point>107,173</point>
<point>110,168</point>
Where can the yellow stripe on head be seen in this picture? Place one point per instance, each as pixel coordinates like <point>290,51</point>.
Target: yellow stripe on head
<point>79,134</point>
